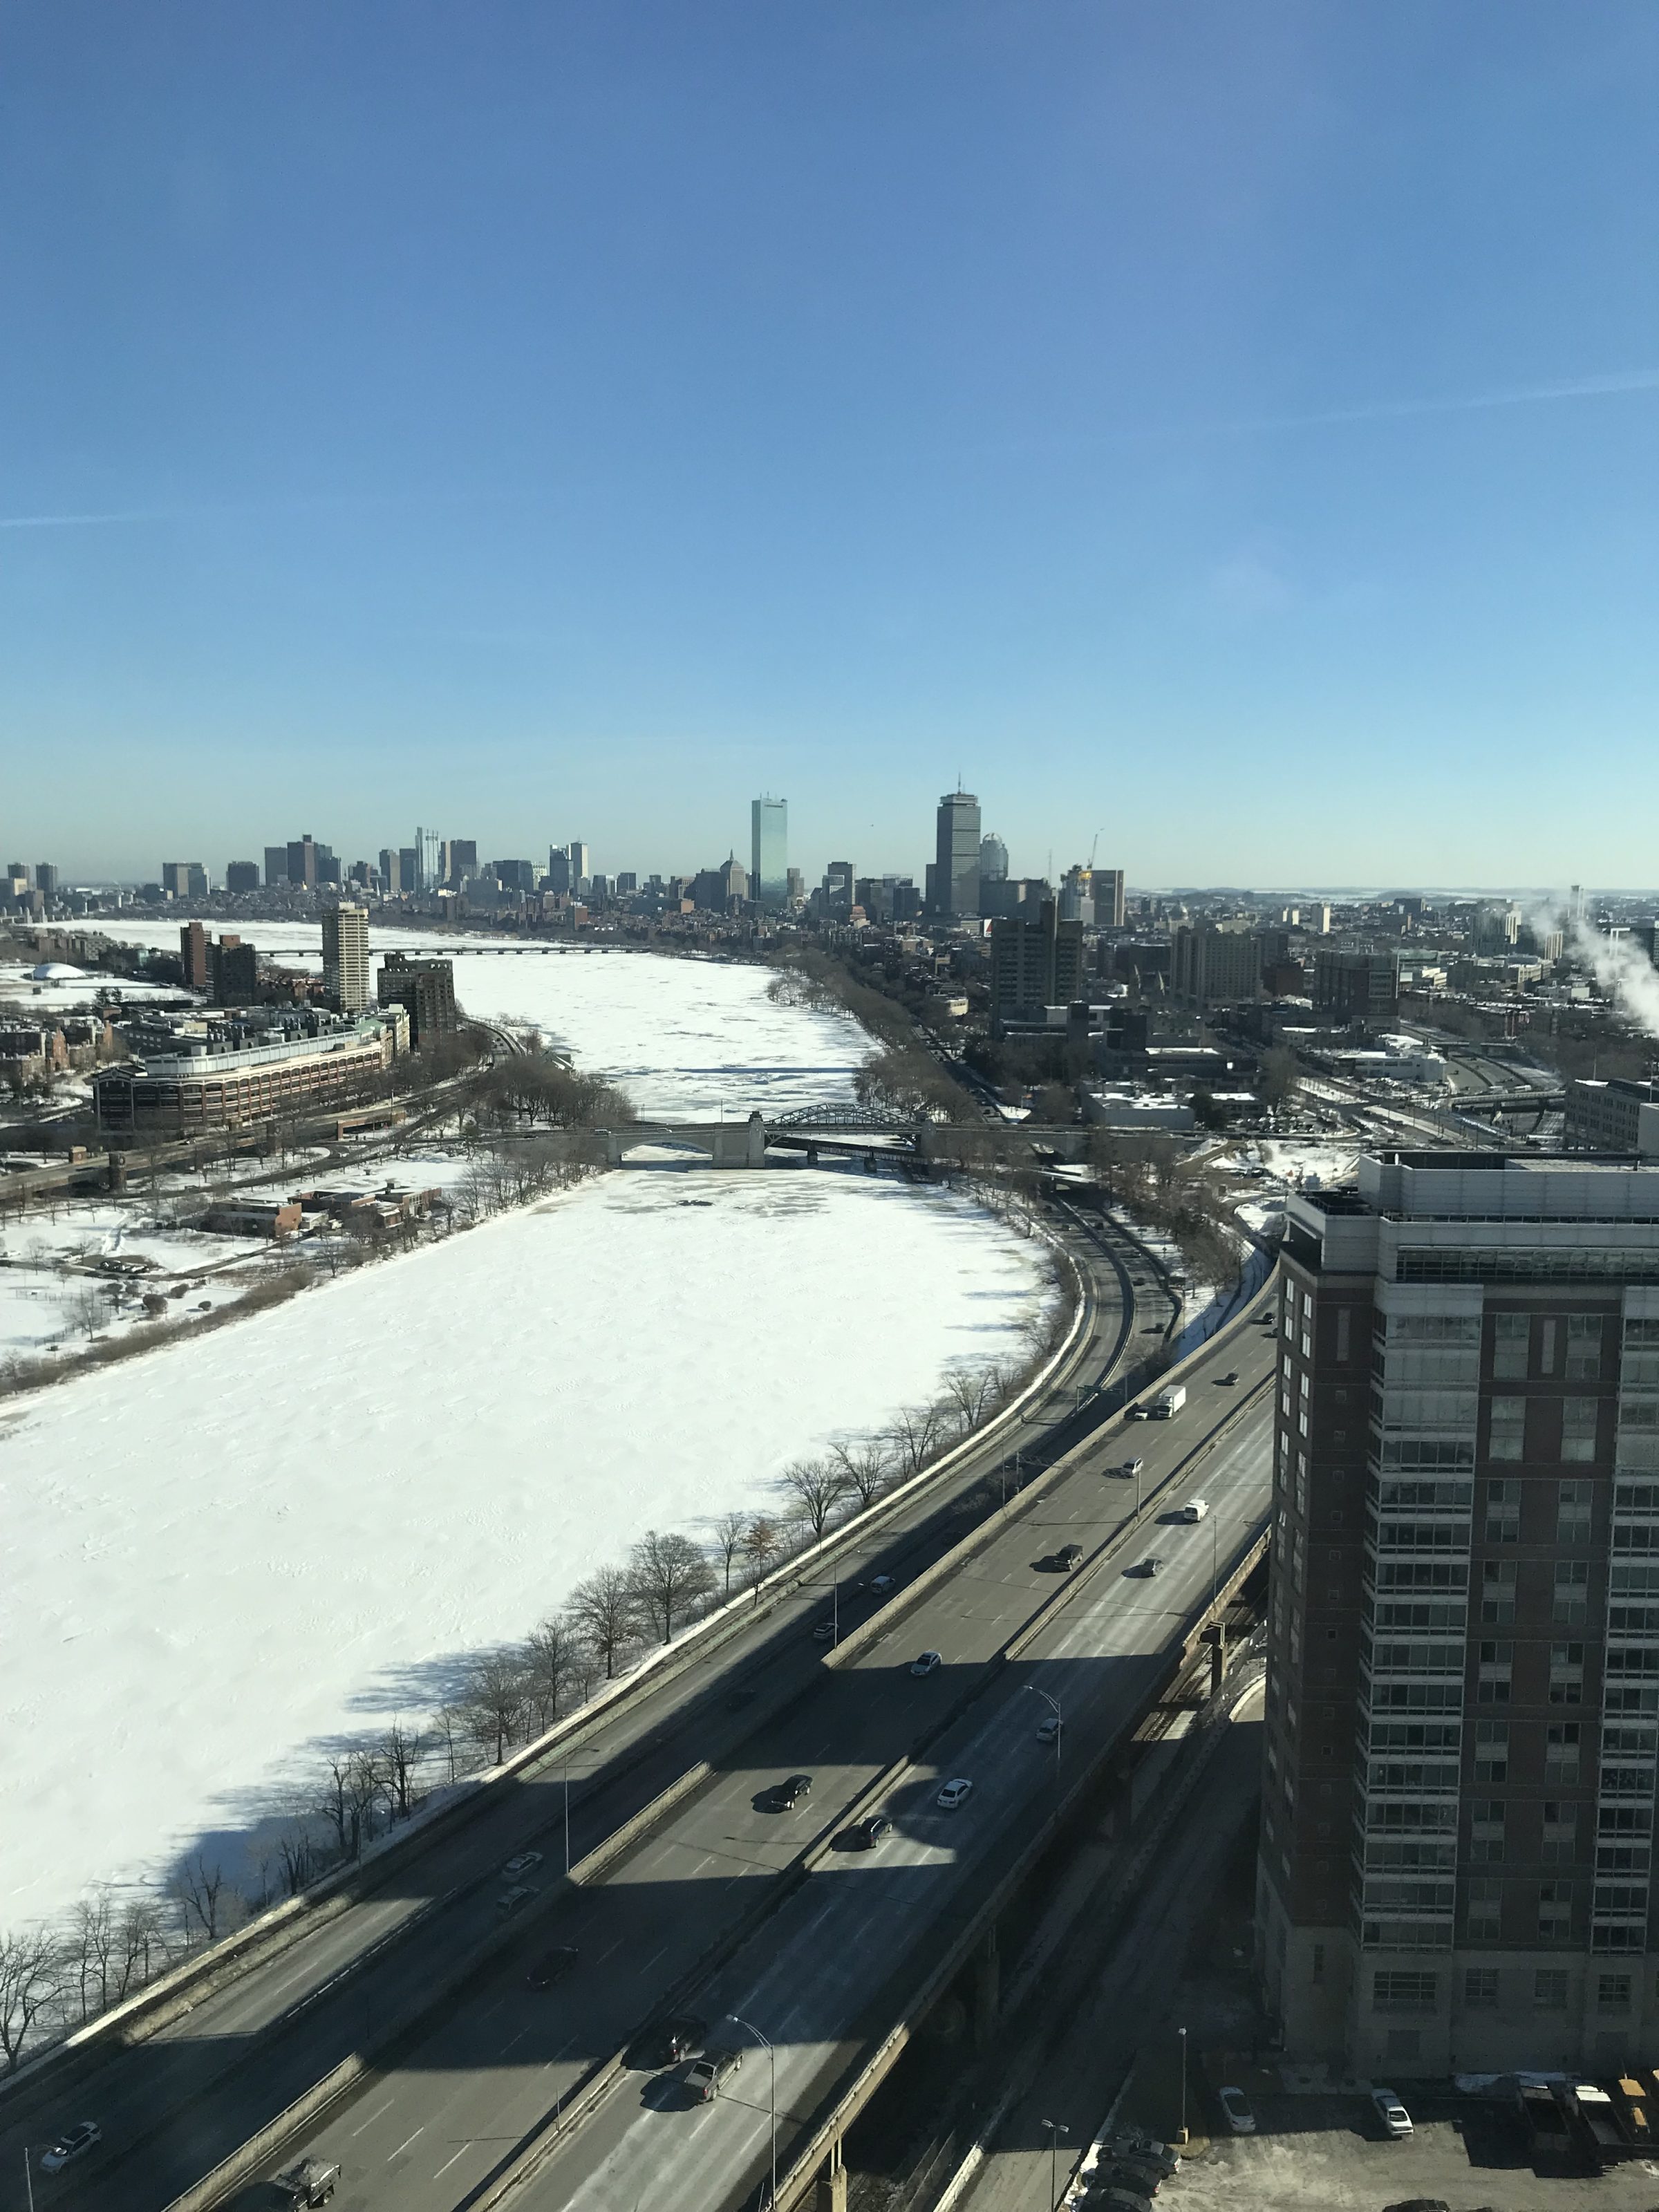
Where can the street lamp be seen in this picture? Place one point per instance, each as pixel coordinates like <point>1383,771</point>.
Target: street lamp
<point>28,2177</point>
<point>1055,2131</point>
<point>773,2196</point>
<point>1060,1723</point>
<point>1182,2033</point>
<point>566,1748</point>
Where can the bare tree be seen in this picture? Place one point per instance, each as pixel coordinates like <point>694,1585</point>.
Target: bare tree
<point>550,1659</point>
<point>760,1544</point>
<point>402,1755</point>
<point>914,1434</point>
<point>196,1889</point>
<point>90,1949</point>
<point>669,1574</point>
<point>865,1468</point>
<point>29,1984</point>
<point>726,1538</point>
<point>139,1936</point>
<point>605,1612</point>
<point>451,1728</point>
<point>297,1854</point>
<point>814,1488</point>
<point>495,1700</point>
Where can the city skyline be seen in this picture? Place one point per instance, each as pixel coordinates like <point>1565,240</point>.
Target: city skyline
<point>1267,401</point>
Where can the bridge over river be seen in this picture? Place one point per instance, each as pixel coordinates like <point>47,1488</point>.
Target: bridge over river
<point>839,1130</point>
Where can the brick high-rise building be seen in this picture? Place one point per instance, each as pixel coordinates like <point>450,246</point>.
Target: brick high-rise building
<point>1463,1725</point>
<point>426,989</point>
<point>193,956</point>
<point>241,876</point>
<point>1213,966</point>
<point>1034,964</point>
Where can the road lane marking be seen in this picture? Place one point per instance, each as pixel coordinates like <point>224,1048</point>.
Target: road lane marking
<point>372,2117</point>
<point>405,2144</point>
<point>448,2162</point>
<point>511,2039</point>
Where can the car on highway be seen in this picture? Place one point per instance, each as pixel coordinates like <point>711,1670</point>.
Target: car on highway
<point>791,1791</point>
<point>1152,1565</point>
<point>1069,1557</point>
<point>925,1663</point>
<point>1194,1509</point>
<point>710,2073</point>
<point>1131,1467</point>
<point>310,2184</point>
<point>825,1633</point>
<point>1236,2111</point>
<point>882,1585</point>
<point>1230,1377</point>
<point>1048,1728</point>
<point>1144,1413</point>
<point>73,2143</point>
<point>552,1966</point>
<point>867,1833</point>
<point>511,1899</point>
<point>1396,2120</point>
<point>956,1792</point>
<point>521,1863</point>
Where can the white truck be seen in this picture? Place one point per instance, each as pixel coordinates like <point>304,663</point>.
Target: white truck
<point>1168,1403</point>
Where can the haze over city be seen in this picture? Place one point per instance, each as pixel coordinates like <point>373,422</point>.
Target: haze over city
<point>829,1107</point>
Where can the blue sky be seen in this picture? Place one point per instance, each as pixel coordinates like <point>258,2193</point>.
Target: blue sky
<point>1234,429</point>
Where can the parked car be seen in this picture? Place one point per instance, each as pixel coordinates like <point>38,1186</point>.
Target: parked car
<point>925,1663</point>
<point>868,1833</point>
<point>954,1792</point>
<point>791,1791</point>
<point>1236,2111</point>
<point>1396,2120</point>
<point>711,2073</point>
<point>1048,1728</point>
<point>1069,1557</point>
<point>511,1899</point>
<point>521,1863</point>
<point>552,1966</point>
<point>73,2143</point>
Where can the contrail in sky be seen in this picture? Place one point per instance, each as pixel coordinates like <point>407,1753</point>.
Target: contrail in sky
<point>1527,395</point>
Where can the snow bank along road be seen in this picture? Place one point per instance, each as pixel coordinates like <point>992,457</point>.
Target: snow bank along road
<point>624,1759</point>
<point>825,1975</point>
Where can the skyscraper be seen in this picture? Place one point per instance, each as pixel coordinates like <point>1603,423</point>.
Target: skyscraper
<point>302,862</point>
<point>276,865</point>
<point>581,864</point>
<point>1109,898</point>
<point>993,859</point>
<point>957,860</point>
<point>558,871</point>
<point>1462,1713</point>
<point>769,851</point>
<point>345,956</point>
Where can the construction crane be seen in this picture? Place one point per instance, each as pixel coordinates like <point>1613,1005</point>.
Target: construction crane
<point>1093,849</point>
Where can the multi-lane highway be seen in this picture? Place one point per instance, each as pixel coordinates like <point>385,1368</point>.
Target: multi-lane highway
<point>825,1974</point>
<point>173,2106</point>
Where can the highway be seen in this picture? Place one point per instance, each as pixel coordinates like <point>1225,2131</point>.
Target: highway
<point>826,1972</point>
<point>172,2106</point>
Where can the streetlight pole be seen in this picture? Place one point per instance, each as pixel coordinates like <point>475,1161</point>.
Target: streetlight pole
<point>1055,2131</point>
<point>1060,1723</point>
<point>1182,2033</point>
<point>28,2176</point>
<point>566,1748</point>
<point>772,2196</point>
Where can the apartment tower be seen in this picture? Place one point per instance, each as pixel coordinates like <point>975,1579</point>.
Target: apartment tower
<point>1463,1662</point>
<point>345,956</point>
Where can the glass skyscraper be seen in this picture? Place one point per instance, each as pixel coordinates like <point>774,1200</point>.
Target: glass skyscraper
<point>769,851</point>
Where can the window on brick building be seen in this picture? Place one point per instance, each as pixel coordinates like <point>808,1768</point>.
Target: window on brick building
<point>1480,1988</point>
<point>1572,1591</point>
<point>1502,1512</point>
<point>1509,1337</point>
<point>1572,1511</point>
<point>1508,1434</point>
<point>1579,1417</point>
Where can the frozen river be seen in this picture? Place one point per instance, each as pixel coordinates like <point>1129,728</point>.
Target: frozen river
<point>230,1552</point>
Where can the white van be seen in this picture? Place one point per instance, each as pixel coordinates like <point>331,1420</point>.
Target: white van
<point>1194,1509</point>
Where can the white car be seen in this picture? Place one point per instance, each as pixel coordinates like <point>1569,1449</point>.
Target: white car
<point>522,1861</point>
<point>71,2144</point>
<point>1396,2120</point>
<point>1194,1509</point>
<point>1236,2110</point>
<point>925,1664</point>
<point>954,1792</point>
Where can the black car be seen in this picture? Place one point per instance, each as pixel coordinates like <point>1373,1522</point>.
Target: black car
<point>552,1966</point>
<point>1071,1557</point>
<point>677,2038</point>
<point>791,1791</point>
<point>866,1834</point>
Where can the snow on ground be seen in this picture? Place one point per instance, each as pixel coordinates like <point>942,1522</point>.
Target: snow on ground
<point>223,1555</point>
<point>72,991</point>
<point>685,1038</point>
<point>1314,1161</point>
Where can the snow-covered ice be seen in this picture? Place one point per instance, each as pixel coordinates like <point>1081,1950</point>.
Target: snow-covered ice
<point>686,1038</point>
<point>221,1555</point>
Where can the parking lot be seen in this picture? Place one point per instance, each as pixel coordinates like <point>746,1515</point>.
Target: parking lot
<point>1320,2152</point>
